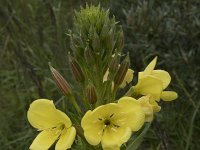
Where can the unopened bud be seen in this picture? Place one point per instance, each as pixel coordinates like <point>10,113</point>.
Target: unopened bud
<point>88,54</point>
<point>109,40</point>
<point>91,94</point>
<point>114,63</point>
<point>76,69</point>
<point>96,42</point>
<point>119,77</point>
<point>62,84</point>
<point>120,41</point>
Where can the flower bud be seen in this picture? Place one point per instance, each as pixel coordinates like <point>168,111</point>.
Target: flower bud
<point>93,24</point>
<point>119,77</point>
<point>96,42</point>
<point>114,63</point>
<point>89,56</point>
<point>62,84</point>
<point>120,41</point>
<point>109,44</point>
<point>91,94</point>
<point>76,69</point>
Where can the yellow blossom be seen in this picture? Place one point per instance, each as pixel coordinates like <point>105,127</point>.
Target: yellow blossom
<point>153,82</point>
<point>112,124</point>
<point>53,124</point>
<point>149,107</point>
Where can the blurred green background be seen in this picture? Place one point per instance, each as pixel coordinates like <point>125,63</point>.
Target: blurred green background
<point>33,33</point>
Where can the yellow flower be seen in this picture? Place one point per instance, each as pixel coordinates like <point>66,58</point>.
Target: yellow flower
<point>112,124</point>
<point>153,82</point>
<point>149,107</point>
<point>53,124</point>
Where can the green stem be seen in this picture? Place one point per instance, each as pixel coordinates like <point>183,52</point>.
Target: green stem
<point>129,92</point>
<point>114,93</point>
<point>85,102</point>
<point>189,137</point>
<point>78,109</point>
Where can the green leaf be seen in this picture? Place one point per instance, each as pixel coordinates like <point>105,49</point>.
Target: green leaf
<point>135,142</point>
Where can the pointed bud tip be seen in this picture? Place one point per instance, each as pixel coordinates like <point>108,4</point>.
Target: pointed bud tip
<point>62,84</point>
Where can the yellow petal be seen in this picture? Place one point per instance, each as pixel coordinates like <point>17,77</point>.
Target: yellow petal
<point>66,139</point>
<point>149,117</point>
<point>111,148</point>
<point>115,137</point>
<point>132,112</point>
<point>128,78</point>
<point>141,75</point>
<point>92,127</point>
<point>168,95</point>
<point>64,119</point>
<point>154,104</point>
<point>105,111</point>
<point>44,140</point>
<point>147,108</point>
<point>85,122</point>
<point>94,135</point>
<point>163,76</point>
<point>42,114</point>
<point>150,67</point>
<point>149,85</point>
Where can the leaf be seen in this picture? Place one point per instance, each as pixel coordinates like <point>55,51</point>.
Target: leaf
<point>135,143</point>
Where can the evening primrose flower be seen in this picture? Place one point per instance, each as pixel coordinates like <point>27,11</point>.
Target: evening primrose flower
<point>149,107</point>
<point>112,124</point>
<point>53,124</point>
<point>153,82</point>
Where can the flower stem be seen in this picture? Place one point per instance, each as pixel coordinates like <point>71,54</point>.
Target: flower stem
<point>75,104</point>
<point>85,102</point>
<point>114,93</point>
<point>129,92</point>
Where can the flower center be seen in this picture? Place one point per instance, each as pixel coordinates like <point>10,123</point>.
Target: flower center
<point>58,129</point>
<point>107,122</point>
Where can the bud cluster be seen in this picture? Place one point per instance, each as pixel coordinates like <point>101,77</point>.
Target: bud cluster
<point>96,44</point>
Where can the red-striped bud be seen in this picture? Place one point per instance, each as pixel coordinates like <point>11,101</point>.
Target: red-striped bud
<point>62,84</point>
<point>91,94</point>
<point>76,69</point>
<point>119,77</point>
